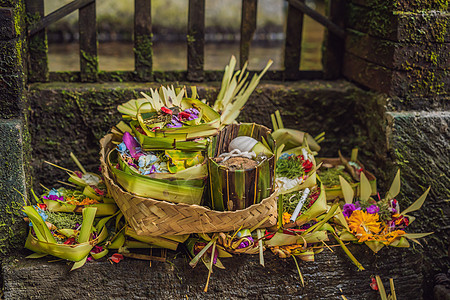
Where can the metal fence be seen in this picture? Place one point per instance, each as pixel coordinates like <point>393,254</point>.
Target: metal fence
<point>143,71</point>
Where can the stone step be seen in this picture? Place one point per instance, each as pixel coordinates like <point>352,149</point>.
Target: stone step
<point>329,277</point>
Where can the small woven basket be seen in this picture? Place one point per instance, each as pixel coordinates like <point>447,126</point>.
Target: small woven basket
<point>154,217</point>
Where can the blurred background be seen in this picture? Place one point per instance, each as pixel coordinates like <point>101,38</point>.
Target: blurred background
<point>169,21</point>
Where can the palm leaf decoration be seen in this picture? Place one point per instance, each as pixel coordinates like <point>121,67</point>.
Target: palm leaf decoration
<point>171,121</point>
<point>43,243</point>
<point>234,93</point>
<point>387,236</point>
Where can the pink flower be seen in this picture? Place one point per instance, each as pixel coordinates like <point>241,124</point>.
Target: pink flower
<point>132,145</point>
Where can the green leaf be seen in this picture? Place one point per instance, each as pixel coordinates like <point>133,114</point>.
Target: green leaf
<point>118,241</point>
<point>391,284</point>
<point>299,272</point>
<point>196,258</point>
<point>274,122</point>
<point>381,288</point>
<point>79,264</point>
<point>366,189</point>
<point>40,228</point>
<point>401,242</point>
<point>395,187</point>
<point>417,204</point>
<point>349,254</point>
<point>100,254</point>
<point>375,246</point>
<point>347,190</point>
<point>152,240</point>
<point>354,156</point>
<point>86,227</point>
<point>36,255</point>
<point>347,236</point>
<point>103,221</point>
<point>416,235</point>
<point>279,119</point>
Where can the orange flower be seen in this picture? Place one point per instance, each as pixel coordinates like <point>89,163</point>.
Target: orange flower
<point>364,225</point>
<point>86,201</point>
<point>286,218</point>
<point>391,236</point>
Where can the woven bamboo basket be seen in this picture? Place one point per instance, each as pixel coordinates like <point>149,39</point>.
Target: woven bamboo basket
<point>155,217</point>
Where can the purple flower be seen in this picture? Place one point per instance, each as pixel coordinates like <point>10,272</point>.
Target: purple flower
<point>175,122</point>
<point>349,208</point>
<point>246,243</point>
<point>373,209</point>
<point>132,145</point>
<point>193,113</point>
<point>54,197</point>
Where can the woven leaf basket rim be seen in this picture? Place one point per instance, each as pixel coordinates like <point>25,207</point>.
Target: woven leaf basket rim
<point>200,210</point>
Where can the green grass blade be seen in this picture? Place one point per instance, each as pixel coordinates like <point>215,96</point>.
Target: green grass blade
<point>299,272</point>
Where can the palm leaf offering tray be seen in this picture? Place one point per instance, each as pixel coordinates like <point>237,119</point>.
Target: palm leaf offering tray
<point>349,168</point>
<point>182,171</point>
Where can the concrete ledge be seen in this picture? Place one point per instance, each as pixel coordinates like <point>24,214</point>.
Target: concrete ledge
<point>242,278</point>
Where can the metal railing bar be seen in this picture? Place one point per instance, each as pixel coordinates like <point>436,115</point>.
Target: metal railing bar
<point>57,15</point>
<point>318,17</point>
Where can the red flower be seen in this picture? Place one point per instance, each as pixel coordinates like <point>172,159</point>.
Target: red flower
<point>79,174</point>
<point>99,191</point>
<point>374,284</point>
<point>268,235</point>
<point>42,206</point>
<point>116,257</point>
<point>307,166</point>
<point>184,115</point>
<point>70,241</point>
<point>140,130</point>
<point>166,110</point>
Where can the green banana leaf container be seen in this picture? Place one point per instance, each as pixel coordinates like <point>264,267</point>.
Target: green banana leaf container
<point>231,190</point>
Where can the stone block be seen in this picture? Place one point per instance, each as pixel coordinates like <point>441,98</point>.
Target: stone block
<point>330,276</point>
<point>427,83</point>
<point>405,5</point>
<point>7,28</point>
<point>11,87</point>
<point>10,56</point>
<point>419,143</point>
<point>398,56</point>
<point>12,181</point>
<point>424,27</point>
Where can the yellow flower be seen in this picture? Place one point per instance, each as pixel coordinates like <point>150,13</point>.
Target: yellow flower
<point>286,218</point>
<point>364,225</point>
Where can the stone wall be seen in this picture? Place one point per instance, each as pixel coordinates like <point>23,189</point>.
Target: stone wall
<point>71,117</point>
<point>402,48</point>
<point>14,136</point>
